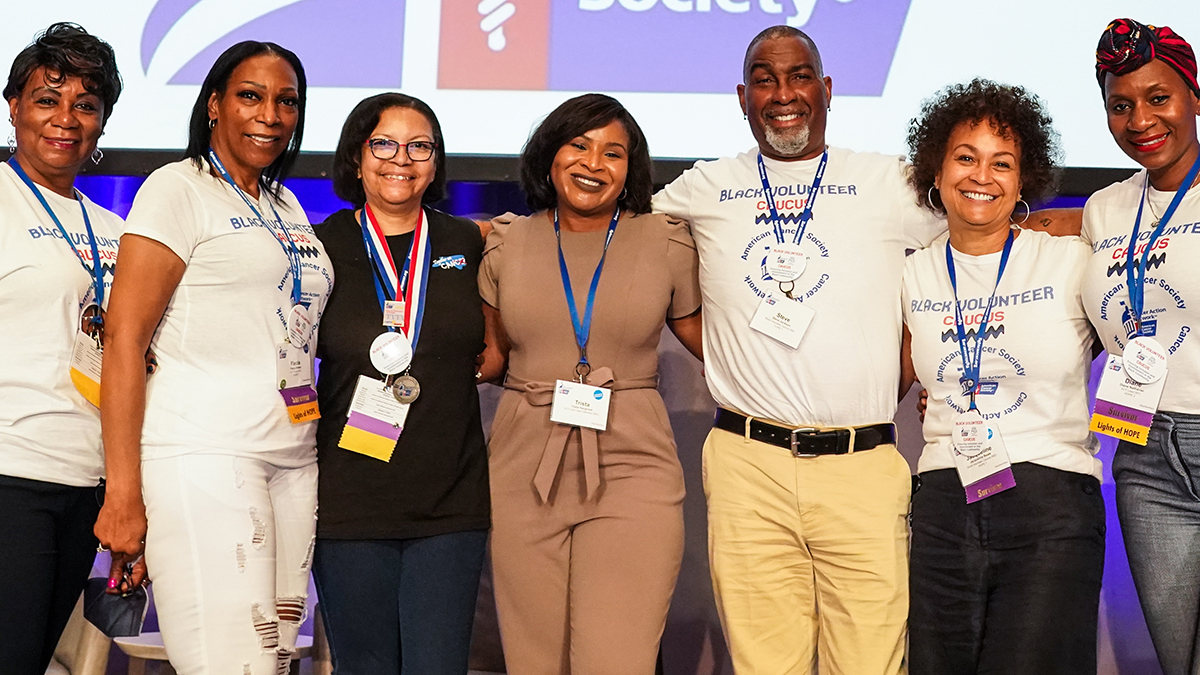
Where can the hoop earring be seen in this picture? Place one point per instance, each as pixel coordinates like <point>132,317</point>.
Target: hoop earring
<point>929,198</point>
<point>212,123</point>
<point>624,194</point>
<point>97,155</point>
<point>1027,212</point>
<point>12,142</point>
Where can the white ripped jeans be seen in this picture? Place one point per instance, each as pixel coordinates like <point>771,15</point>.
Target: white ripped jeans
<point>229,548</point>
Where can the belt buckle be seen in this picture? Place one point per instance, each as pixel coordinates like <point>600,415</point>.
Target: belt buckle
<point>812,431</point>
<point>795,435</point>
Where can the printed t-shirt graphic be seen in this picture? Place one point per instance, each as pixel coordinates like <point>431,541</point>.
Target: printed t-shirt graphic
<point>863,222</point>
<point>1172,285</point>
<point>1037,339</point>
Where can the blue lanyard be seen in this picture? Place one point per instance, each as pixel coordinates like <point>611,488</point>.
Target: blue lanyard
<point>96,271</point>
<point>377,273</point>
<point>289,249</point>
<point>583,329</point>
<point>1135,270</point>
<point>806,215</point>
<point>972,362</point>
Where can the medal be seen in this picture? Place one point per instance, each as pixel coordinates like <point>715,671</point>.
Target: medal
<point>391,353</point>
<point>91,323</point>
<point>405,388</point>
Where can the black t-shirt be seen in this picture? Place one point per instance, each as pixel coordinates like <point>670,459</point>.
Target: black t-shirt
<point>437,479</point>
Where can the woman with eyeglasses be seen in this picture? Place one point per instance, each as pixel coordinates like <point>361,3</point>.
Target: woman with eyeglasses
<point>57,250</point>
<point>404,483</point>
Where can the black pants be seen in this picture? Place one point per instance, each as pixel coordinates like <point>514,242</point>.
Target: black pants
<point>46,551</point>
<point>1009,584</point>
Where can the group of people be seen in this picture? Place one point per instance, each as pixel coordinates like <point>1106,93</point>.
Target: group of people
<point>785,269</point>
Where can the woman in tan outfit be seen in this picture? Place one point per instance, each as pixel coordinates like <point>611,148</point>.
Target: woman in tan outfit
<point>587,526</point>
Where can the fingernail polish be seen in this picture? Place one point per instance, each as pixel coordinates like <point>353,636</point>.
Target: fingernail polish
<point>112,583</point>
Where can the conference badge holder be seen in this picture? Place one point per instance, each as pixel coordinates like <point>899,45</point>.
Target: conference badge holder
<point>980,457</point>
<point>88,353</point>
<point>782,319</point>
<point>577,404</point>
<point>376,420</point>
<point>294,371</point>
<point>1129,391</point>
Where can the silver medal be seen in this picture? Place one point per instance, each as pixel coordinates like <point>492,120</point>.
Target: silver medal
<point>405,388</point>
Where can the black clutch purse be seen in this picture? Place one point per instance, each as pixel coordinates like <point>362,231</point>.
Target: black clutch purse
<point>115,615</point>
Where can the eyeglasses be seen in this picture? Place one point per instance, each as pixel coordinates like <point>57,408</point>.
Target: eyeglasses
<point>386,148</point>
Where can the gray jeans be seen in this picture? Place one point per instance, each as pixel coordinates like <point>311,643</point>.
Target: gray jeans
<point>1158,501</point>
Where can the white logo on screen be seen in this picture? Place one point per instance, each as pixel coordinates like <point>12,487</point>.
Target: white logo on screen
<point>803,8</point>
<point>205,23</point>
<point>495,13</point>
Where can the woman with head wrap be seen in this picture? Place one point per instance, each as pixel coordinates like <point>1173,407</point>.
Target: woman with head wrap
<point>1141,291</point>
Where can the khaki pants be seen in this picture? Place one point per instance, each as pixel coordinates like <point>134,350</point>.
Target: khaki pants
<point>809,557</point>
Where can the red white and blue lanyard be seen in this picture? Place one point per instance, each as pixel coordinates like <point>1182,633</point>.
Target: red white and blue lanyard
<point>583,328</point>
<point>972,359</point>
<point>1135,270</point>
<point>413,279</point>
<point>96,271</point>
<point>284,239</point>
<point>806,215</point>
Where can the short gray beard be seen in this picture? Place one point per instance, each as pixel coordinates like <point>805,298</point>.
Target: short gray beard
<point>790,143</point>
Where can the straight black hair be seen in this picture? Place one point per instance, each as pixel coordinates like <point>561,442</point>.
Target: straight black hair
<point>357,129</point>
<point>200,134</point>
<point>574,117</point>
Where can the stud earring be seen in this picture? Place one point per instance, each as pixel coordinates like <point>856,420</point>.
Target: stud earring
<point>212,123</point>
<point>97,155</point>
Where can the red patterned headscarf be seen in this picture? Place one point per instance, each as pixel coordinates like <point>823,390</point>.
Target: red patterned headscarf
<point>1127,45</point>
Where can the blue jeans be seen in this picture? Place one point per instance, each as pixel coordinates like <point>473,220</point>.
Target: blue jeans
<point>400,606</point>
<point>1011,583</point>
<point>1158,502</point>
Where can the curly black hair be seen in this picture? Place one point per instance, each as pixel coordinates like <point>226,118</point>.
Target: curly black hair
<point>1015,113</point>
<point>69,51</point>
<point>359,125</point>
<point>577,116</point>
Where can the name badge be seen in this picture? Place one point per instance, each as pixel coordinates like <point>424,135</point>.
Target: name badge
<point>86,357</point>
<point>980,457</point>
<point>580,405</point>
<point>294,377</point>
<point>1125,407</point>
<point>393,313</point>
<point>782,319</point>
<point>375,422</point>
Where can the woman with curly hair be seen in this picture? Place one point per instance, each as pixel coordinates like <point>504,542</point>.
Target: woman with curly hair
<point>1147,292</point>
<point>1008,521</point>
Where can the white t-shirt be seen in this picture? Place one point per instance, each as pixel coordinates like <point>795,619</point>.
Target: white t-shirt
<point>846,370</point>
<point>1172,288</point>
<point>1037,349</point>
<point>215,389</point>
<point>48,432</point>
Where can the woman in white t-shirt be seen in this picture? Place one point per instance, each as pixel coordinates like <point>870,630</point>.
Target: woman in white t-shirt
<point>1008,521</point>
<point>57,251</point>
<point>226,282</point>
<point>1151,95</point>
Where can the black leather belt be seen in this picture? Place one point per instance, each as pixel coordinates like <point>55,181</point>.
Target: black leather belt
<point>807,441</point>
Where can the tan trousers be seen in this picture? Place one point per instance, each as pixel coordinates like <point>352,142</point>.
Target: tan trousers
<point>809,557</point>
<point>583,585</point>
